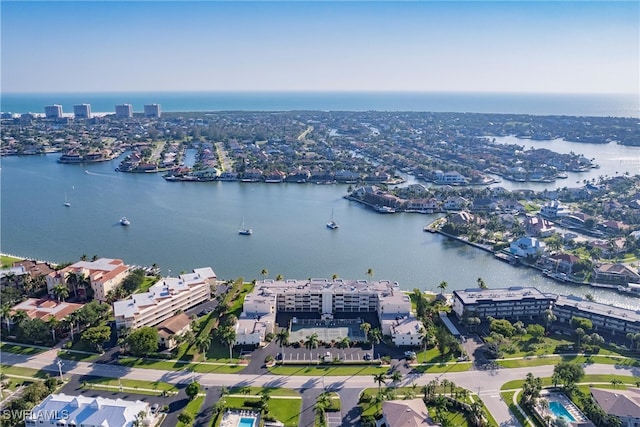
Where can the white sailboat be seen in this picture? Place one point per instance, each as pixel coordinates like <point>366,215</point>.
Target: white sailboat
<point>67,203</point>
<point>243,230</point>
<point>332,224</point>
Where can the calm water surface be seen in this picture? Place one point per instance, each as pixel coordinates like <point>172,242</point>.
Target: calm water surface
<point>181,226</point>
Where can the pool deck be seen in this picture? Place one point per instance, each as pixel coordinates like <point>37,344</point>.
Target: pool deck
<point>232,417</point>
<point>564,401</point>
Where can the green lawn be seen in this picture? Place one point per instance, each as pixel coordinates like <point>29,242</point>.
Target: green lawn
<point>257,391</point>
<point>23,372</point>
<point>20,349</point>
<point>167,365</point>
<point>601,378</point>
<point>78,357</point>
<point>192,408</point>
<point>443,367</point>
<point>7,261</point>
<point>432,355</point>
<point>507,397</point>
<point>555,359</point>
<point>133,384</point>
<point>147,282</point>
<point>284,410</point>
<point>328,370</point>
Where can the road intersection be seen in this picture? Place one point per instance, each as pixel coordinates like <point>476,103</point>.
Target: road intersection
<point>485,383</point>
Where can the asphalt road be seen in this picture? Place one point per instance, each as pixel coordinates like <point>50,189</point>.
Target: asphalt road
<point>486,383</point>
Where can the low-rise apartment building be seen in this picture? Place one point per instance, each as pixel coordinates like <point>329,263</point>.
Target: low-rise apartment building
<point>605,318</point>
<point>326,298</point>
<point>104,275</point>
<point>164,298</point>
<point>516,302</point>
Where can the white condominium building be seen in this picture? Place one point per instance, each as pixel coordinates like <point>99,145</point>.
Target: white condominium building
<point>104,274</point>
<point>82,111</point>
<point>327,298</point>
<point>152,110</point>
<point>53,111</point>
<point>164,298</point>
<point>124,111</point>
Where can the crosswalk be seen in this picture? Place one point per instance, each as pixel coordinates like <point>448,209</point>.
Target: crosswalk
<point>334,419</point>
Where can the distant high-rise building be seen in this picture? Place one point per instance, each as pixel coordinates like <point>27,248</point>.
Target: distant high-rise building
<point>53,111</point>
<point>152,110</point>
<point>124,111</point>
<point>82,111</point>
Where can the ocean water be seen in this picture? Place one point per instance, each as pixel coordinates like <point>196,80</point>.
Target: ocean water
<point>535,104</point>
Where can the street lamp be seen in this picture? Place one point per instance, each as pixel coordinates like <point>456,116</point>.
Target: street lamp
<point>60,369</point>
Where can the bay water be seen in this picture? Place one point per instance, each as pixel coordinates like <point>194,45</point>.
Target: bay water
<point>184,225</point>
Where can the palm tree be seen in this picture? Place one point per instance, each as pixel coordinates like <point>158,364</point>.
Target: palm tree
<point>396,377</point>
<point>5,313</point>
<point>279,277</point>
<point>375,335</point>
<point>203,343</point>
<point>264,272</point>
<point>481,283</point>
<point>53,323</point>
<point>370,273</point>
<point>380,378</point>
<point>282,337</point>
<point>442,286</point>
<point>334,276</point>
<point>311,343</point>
<point>228,336</point>
<point>61,292</point>
<point>365,327</point>
<point>615,382</point>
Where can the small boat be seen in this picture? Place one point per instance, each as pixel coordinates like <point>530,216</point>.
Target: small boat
<point>67,203</point>
<point>332,224</point>
<point>243,230</point>
<point>384,209</point>
<point>124,221</point>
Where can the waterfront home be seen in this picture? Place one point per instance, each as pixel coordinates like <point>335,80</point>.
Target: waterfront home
<point>171,329</point>
<point>275,176</point>
<point>67,410</point>
<point>609,248</point>
<point>623,404</point>
<point>483,204</point>
<point>450,177</point>
<point>618,274</point>
<point>164,298</point>
<point>346,176</point>
<point>405,413</point>
<point>465,218</point>
<point>423,205</point>
<point>562,263</point>
<point>104,275</point>
<point>554,209</point>
<point>538,226</point>
<point>34,268</point>
<point>251,175</point>
<point>455,203</point>
<point>527,247</point>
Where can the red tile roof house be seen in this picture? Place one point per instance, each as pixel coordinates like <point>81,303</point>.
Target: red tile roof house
<point>616,274</point>
<point>104,274</point>
<point>45,308</point>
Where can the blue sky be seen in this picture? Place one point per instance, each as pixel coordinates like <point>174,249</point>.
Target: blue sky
<point>505,46</point>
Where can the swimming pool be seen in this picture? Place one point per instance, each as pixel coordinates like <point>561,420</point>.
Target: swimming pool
<point>246,422</point>
<point>560,411</point>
